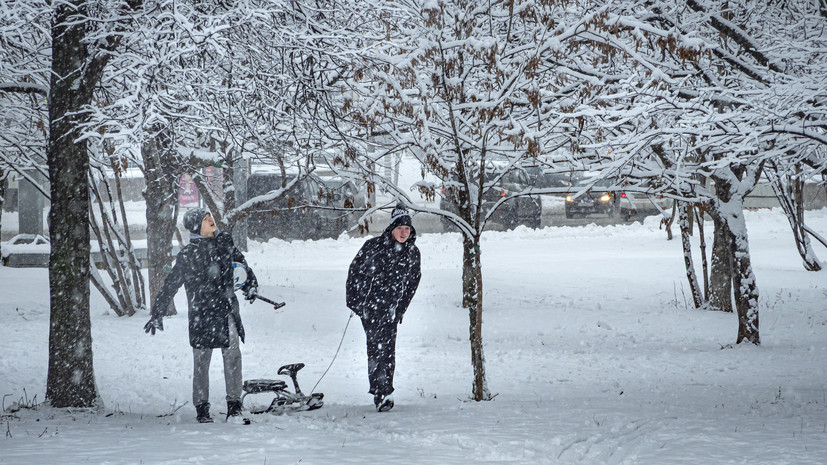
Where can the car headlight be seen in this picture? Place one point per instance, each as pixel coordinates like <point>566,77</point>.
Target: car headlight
<point>568,198</point>
<point>605,198</point>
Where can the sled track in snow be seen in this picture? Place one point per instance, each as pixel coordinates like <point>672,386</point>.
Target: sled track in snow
<point>613,444</point>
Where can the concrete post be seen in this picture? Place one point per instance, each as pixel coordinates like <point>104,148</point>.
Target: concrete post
<point>30,204</point>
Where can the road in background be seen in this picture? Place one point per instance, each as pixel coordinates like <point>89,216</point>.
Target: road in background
<point>553,215</point>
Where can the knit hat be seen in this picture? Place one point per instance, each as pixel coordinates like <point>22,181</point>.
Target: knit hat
<point>193,219</point>
<point>400,216</point>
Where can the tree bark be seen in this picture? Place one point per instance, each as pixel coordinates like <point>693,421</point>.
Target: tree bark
<point>667,221</point>
<point>116,250</point>
<point>240,176</point>
<point>469,275</point>
<point>128,250</point>
<point>227,187</point>
<point>790,195</point>
<point>732,184</point>
<point>686,230</point>
<point>734,234</point>
<point>71,379</point>
<point>702,243</point>
<point>161,197</point>
<point>746,289</point>
<point>720,285</point>
<point>122,306</point>
<point>472,301</point>
<point>3,176</point>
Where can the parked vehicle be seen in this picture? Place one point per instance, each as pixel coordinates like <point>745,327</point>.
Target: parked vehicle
<point>542,178</point>
<point>343,192</point>
<point>525,210</point>
<point>293,216</point>
<point>597,200</point>
<point>346,194</point>
<point>601,200</point>
<point>639,203</point>
<point>26,250</point>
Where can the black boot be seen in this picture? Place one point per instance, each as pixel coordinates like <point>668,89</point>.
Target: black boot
<point>383,402</point>
<point>202,413</point>
<point>233,408</point>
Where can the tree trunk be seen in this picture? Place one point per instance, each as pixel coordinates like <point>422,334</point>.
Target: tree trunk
<point>161,212</point>
<point>122,306</point>
<point>71,380</point>
<point>3,176</point>
<point>702,243</point>
<point>746,289</point>
<point>731,218</point>
<point>240,193</point>
<point>128,256</point>
<point>227,189</point>
<point>791,197</point>
<point>116,251</point>
<point>469,275</point>
<point>105,291</point>
<point>685,224</point>
<point>472,300</point>
<point>720,285</point>
<point>667,221</point>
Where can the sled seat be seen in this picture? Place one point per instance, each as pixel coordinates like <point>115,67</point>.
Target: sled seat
<point>255,386</point>
<point>290,370</point>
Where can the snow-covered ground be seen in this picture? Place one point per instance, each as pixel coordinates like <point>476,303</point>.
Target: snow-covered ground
<point>592,348</point>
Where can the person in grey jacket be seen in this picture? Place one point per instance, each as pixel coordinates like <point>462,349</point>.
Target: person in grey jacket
<point>205,268</point>
<point>381,282</point>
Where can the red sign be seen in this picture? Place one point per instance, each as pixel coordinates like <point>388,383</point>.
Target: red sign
<point>187,191</point>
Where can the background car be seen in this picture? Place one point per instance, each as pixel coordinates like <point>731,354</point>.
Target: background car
<point>526,210</point>
<point>26,250</point>
<point>346,194</point>
<point>597,200</point>
<point>544,178</point>
<point>292,216</point>
<point>639,203</point>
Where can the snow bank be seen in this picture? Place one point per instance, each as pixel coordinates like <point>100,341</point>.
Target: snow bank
<point>591,343</point>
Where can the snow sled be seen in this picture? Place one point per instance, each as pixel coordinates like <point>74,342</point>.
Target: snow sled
<point>284,399</point>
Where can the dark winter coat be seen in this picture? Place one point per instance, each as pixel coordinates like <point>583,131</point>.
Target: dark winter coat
<point>204,267</point>
<point>383,277</point>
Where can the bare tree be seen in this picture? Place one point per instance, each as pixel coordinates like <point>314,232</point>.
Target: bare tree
<point>789,190</point>
<point>710,95</point>
<point>474,92</point>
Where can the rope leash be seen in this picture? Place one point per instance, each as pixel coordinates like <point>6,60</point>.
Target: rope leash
<point>334,355</point>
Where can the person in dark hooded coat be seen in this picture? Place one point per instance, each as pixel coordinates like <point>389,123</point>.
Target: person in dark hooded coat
<point>205,268</point>
<point>381,282</point>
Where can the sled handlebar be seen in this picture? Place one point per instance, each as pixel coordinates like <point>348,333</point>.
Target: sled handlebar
<point>276,305</point>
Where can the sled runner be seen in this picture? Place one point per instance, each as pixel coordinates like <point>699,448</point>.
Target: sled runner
<point>284,399</point>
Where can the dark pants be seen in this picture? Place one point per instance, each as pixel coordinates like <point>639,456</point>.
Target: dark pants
<point>381,341</point>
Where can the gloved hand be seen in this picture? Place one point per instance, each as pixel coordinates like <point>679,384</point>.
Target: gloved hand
<point>251,293</point>
<point>153,324</point>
